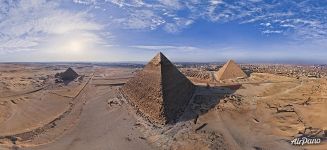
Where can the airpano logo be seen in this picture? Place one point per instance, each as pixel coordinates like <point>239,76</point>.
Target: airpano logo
<point>305,140</point>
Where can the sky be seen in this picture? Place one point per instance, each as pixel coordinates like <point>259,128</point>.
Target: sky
<point>248,31</point>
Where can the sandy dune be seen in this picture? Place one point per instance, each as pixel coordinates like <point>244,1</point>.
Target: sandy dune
<point>263,111</point>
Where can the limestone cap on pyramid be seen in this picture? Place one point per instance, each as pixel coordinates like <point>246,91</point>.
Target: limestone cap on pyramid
<point>230,70</point>
<point>159,92</point>
<point>158,59</point>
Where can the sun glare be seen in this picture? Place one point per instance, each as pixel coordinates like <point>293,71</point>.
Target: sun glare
<point>75,46</point>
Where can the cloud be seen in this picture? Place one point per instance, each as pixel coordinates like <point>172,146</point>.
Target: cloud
<point>85,2</point>
<point>175,4</point>
<point>146,15</point>
<point>141,19</point>
<point>32,24</point>
<point>299,20</point>
<point>177,25</point>
<point>271,31</point>
<point>165,47</point>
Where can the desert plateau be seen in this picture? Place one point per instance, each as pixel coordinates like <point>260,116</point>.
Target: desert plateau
<point>38,111</point>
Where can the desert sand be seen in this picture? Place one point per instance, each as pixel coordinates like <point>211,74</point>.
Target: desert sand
<point>263,111</point>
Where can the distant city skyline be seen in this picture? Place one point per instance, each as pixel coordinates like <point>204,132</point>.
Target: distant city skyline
<point>252,31</point>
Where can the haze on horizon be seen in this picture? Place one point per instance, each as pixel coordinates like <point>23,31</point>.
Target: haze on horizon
<point>185,31</point>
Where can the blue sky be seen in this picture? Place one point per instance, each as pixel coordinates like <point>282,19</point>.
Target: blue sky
<point>251,31</point>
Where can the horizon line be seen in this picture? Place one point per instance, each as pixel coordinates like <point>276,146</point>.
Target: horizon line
<point>145,62</point>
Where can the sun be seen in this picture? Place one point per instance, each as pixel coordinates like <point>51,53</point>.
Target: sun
<point>75,46</point>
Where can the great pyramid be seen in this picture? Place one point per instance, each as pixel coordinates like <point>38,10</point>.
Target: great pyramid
<point>159,92</point>
<point>69,74</point>
<point>230,71</point>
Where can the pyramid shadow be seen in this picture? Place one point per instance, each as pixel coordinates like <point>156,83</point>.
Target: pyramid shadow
<point>206,98</point>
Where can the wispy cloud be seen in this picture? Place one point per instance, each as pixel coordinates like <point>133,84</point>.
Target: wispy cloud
<point>166,47</point>
<point>86,2</point>
<point>32,24</point>
<point>271,31</point>
<point>303,19</point>
<point>150,15</point>
<point>140,19</point>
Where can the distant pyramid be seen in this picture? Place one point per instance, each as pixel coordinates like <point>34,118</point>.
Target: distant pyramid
<point>69,74</point>
<point>160,92</point>
<point>230,71</point>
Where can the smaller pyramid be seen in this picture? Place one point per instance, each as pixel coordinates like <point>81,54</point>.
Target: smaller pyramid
<point>230,71</point>
<point>69,74</point>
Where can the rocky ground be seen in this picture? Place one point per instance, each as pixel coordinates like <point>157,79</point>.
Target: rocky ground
<point>263,111</point>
